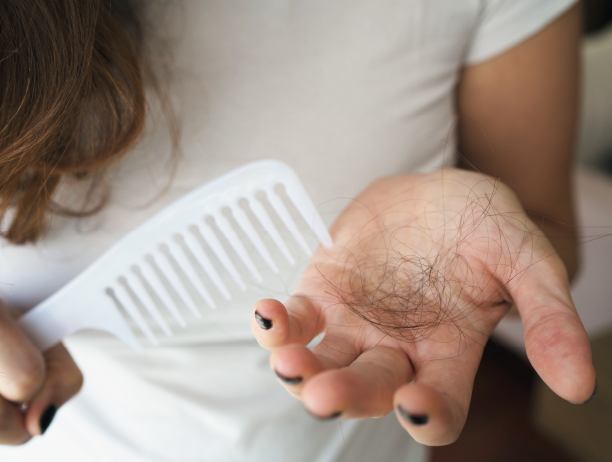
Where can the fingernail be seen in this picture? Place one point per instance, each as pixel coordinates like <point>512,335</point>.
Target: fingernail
<point>46,418</point>
<point>289,380</point>
<point>414,419</point>
<point>264,323</point>
<point>329,417</point>
<point>592,396</point>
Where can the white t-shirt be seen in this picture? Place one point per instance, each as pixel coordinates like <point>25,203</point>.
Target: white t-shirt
<point>344,92</point>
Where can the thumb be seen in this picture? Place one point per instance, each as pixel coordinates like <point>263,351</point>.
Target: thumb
<point>63,380</point>
<point>556,342</point>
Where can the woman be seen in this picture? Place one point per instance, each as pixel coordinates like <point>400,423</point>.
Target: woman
<point>346,93</point>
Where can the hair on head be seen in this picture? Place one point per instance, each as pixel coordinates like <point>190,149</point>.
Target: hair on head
<point>72,101</point>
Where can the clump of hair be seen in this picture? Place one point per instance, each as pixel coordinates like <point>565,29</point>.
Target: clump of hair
<point>409,291</point>
<point>72,101</point>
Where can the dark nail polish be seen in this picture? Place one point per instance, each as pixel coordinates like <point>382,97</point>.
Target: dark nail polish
<point>329,417</point>
<point>592,396</point>
<point>414,419</point>
<point>46,418</point>
<point>264,323</point>
<point>289,380</point>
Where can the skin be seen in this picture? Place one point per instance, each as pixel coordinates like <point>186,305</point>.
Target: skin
<point>30,377</point>
<point>517,110</point>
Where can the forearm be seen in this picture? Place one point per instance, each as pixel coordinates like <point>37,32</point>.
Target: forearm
<point>518,123</point>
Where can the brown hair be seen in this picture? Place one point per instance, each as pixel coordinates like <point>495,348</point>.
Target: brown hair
<point>71,102</point>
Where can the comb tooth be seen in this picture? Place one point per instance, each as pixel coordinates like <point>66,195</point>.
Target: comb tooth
<point>247,227</point>
<point>234,241</point>
<point>132,309</point>
<point>285,216</point>
<point>198,252</point>
<point>149,303</point>
<point>184,269</point>
<point>127,317</point>
<point>264,219</point>
<point>298,195</point>
<point>172,283</point>
<point>148,277</point>
<point>216,246</point>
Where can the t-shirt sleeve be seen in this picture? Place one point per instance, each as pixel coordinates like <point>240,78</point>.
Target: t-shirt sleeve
<point>503,24</point>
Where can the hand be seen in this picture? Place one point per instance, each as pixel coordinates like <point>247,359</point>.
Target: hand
<point>422,269</point>
<point>45,381</point>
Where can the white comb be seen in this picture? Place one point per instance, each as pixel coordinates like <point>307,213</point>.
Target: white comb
<point>154,266</point>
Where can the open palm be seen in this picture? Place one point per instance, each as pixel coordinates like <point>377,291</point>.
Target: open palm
<point>422,269</point>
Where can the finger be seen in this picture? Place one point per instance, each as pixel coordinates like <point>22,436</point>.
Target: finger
<point>62,382</point>
<point>363,389</point>
<point>22,371</point>
<point>274,324</point>
<point>556,342</point>
<point>12,426</point>
<point>294,365</point>
<point>434,408</point>
<point>22,367</point>
<point>429,415</point>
